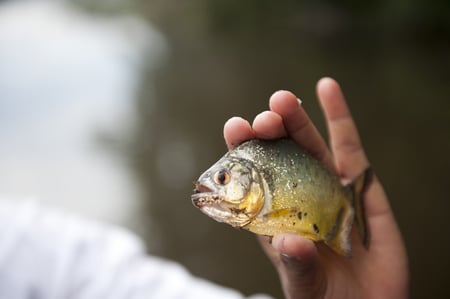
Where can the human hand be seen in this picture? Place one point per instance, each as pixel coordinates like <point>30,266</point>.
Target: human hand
<point>312,270</point>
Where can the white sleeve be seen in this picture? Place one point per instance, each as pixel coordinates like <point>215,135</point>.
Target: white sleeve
<point>48,254</point>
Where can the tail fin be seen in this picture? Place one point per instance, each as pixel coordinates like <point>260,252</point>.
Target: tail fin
<point>358,188</point>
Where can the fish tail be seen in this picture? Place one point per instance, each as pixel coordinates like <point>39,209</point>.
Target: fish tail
<point>358,188</point>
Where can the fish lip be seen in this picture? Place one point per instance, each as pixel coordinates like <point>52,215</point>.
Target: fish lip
<point>202,188</point>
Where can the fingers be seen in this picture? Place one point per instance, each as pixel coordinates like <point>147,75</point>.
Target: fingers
<point>344,139</point>
<point>287,118</point>
<point>298,264</point>
<point>295,248</point>
<point>299,126</point>
<point>269,125</point>
<point>237,130</point>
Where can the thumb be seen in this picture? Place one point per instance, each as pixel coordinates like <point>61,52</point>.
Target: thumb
<point>298,264</point>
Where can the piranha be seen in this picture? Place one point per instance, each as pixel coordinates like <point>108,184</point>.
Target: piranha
<point>273,187</point>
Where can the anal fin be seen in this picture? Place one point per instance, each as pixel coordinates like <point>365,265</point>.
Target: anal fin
<point>339,238</point>
<point>358,188</point>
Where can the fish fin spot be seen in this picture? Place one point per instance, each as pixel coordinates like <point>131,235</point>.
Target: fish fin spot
<point>316,228</point>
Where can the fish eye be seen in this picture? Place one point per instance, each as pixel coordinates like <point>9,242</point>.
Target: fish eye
<point>222,177</point>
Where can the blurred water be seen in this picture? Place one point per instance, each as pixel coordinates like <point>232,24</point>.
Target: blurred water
<point>68,81</point>
<point>227,57</point>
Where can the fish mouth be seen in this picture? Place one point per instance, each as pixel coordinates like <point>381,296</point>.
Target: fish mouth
<point>204,195</point>
<point>215,206</point>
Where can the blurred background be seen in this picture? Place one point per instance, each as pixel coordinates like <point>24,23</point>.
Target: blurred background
<point>112,108</point>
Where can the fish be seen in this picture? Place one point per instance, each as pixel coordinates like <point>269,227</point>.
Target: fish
<point>270,187</point>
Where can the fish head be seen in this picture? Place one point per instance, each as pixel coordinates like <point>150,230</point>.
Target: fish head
<point>230,191</point>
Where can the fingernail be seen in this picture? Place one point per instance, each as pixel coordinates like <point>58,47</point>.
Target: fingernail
<point>299,102</point>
